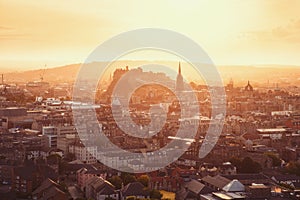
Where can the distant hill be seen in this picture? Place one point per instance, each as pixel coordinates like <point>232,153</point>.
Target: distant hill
<point>57,74</point>
<point>270,74</point>
<point>261,75</point>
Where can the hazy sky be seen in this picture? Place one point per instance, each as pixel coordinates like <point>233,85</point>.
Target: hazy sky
<point>34,33</point>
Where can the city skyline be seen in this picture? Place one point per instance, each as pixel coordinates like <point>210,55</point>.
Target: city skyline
<point>150,100</point>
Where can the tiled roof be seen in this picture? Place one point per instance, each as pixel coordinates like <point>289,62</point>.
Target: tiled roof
<point>197,187</point>
<point>134,189</point>
<point>49,190</point>
<point>107,190</point>
<point>287,177</point>
<point>217,181</point>
<point>45,185</point>
<point>54,193</point>
<point>102,186</point>
<point>245,177</point>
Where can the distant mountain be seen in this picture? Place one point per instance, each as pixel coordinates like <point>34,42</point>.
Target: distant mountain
<point>268,74</point>
<point>57,74</point>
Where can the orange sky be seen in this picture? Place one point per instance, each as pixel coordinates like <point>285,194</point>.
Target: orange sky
<point>34,33</point>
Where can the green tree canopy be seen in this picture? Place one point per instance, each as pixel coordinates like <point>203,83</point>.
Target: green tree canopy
<point>247,165</point>
<point>293,168</point>
<point>127,178</point>
<point>116,181</point>
<point>53,159</point>
<point>276,162</point>
<point>144,179</point>
<point>155,194</point>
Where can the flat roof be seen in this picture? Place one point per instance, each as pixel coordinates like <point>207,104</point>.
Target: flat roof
<point>270,130</point>
<point>222,196</point>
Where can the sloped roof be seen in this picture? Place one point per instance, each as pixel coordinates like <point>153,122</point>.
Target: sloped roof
<point>106,185</point>
<point>101,186</point>
<point>234,186</point>
<point>195,186</point>
<point>286,177</point>
<point>49,190</point>
<point>45,185</point>
<point>241,177</point>
<point>190,195</point>
<point>82,170</point>
<point>92,180</point>
<point>76,162</point>
<point>134,189</point>
<point>217,181</point>
<point>76,167</point>
<point>55,193</point>
<point>107,190</point>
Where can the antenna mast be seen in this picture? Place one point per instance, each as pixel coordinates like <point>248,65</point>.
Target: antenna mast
<point>43,73</point>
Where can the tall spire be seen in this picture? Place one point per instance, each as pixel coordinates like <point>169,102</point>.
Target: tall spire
<point>179,80</point>
<point>248,87</point>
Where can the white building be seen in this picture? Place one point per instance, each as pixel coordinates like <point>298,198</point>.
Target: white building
<point>49,130</point>
<point>87,154</point>
<point>50,141</point>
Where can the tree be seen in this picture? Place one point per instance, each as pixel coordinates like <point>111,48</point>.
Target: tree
<point>144,179</point>
<point>127,178</point>
<point>53,159</point>
<point>249,166</point>
<point>276,162</point>
<point>155,194</point>
<point>116,181</point>
<point>293,168</point>
<point>235,161</point>
<point>63,186</point>
<point>63,166</point>
<point>70,157</point>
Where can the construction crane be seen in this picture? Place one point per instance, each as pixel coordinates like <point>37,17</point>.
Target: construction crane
<point>43,73</point>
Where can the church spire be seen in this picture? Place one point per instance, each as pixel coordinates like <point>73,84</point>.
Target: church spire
<point>179,80</point>
<point>248,87</point>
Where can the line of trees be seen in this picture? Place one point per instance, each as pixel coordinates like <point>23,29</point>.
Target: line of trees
<point>246,165</point>
<point>126,178</point>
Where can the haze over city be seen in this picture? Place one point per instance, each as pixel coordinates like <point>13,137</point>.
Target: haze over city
<point>150,100</point>
<point>231,32</point>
